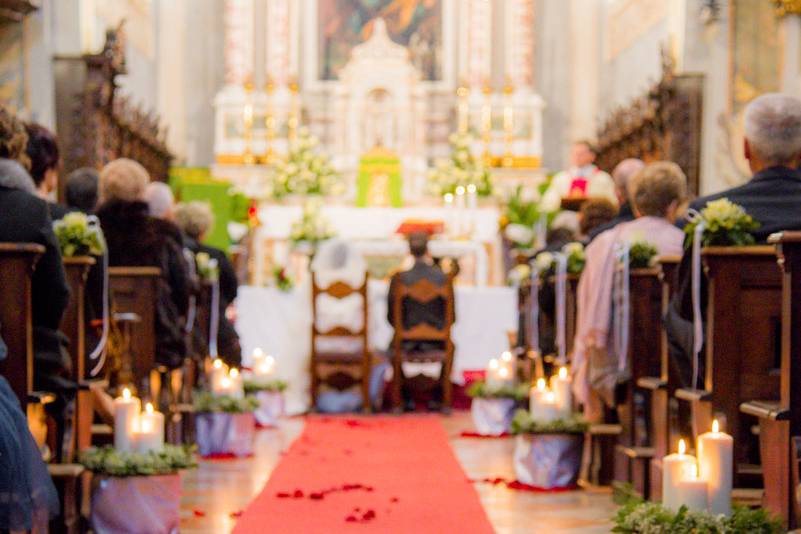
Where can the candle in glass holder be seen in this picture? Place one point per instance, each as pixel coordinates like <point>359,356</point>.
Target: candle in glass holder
<point>560,385</point>
<point>691,491</point>
<point>535,396</point>
<point>150,432</point>
<point>126,413</point>
<point>715,464</point>
<point>674,467</point>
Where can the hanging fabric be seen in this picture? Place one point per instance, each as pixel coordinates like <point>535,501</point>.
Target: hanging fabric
<point>561,307</point>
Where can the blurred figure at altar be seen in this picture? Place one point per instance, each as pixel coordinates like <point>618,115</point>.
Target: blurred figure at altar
<point>195,219</point>
<point>582,180</point>
<point>656,194</point>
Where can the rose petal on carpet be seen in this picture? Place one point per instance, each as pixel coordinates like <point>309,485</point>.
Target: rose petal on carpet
<point>368,474</point>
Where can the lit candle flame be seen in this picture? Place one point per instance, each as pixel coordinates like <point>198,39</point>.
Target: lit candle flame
<point>448,198</point>
<point>682,446</point>
<point>126,394</point>
<point>460,190</point>
<point>715,426</point>
<point>506,356</point>
<point>149,407</point>
<point>218,363</point>
<point>493,364</point>
<point>257,353</point>
<point>233,373</point>
<point>471,188</point>
<point>541,384</point>
<point>563,372</point>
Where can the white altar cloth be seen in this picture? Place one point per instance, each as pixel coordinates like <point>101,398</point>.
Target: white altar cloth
<point>280,324</point>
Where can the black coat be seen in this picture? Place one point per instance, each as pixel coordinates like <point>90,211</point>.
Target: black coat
<point>136,239</point>
<point>773,198</point>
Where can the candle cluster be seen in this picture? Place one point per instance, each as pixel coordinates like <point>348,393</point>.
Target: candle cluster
<point>262,367</point>
<point>548,404</point>
<point>134,430</point>
<point>226,382</point>
<point>459,206</point>
<point>501,372</point>
<point>702,484</point>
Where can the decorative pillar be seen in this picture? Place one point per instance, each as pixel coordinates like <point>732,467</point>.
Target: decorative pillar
<point>479,43</point>
<point>281,66</point>
<point>790,11</point>
<point>239,23</point>
<point>519,45</point>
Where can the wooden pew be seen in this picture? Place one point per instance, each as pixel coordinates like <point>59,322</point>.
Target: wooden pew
<point>741,345</point>
<point>135,290</point>
<point>780,422</point>
<point>634,450</point>
<point>661,387</point>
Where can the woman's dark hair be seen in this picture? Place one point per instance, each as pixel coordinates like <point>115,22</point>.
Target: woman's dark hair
<point>42,150</point>
<point>594,213</point>
<point>81,189</point>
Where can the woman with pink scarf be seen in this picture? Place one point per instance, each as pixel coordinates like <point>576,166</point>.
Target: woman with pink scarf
<point>656,192</point>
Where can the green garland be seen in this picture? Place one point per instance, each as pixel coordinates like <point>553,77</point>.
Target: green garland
<point>206,402</point>
<point>523,423</point>
<point>109,461</point>
<point>482,390</point>
<point>727,224</point>
<point>275,386</point>
<point>638,516</point>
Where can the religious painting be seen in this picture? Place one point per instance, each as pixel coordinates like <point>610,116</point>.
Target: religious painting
<point>12,66</point>
<point>415,24</point>
<point>756,52</point>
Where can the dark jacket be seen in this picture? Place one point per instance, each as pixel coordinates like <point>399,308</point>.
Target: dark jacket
<point>136,239</point>
<point>773,198</point>
<point>415,313</point>
<point>57,211</point>
<point>624,215</point>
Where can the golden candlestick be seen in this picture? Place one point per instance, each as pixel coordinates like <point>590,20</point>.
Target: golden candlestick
<point>462,109</point>
<point>247,118</point>
<point>269,124</point>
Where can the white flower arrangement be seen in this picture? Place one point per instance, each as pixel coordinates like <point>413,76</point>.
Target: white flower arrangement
<point>207,267</point>
<point>519,274</point>
<point>544,261</point>
<point>304,171</point>
<point>312,227</point>
<point>462,169</point>
<point>77,235</point>
<point>521,236</point>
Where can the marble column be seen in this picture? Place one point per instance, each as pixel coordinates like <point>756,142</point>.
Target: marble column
<point>239,20</point>
<point>791,56</point>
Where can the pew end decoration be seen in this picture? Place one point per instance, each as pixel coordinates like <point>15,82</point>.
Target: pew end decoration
<point>726,224</point>
<point>261,384</point>
<point>134,492</point>
<point>207,268</point>
<point>642,254</point>
<point>495,399</point>
<point>77,235</point>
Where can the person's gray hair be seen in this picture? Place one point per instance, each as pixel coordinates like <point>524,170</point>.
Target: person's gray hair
<point>14,176</point>
<point>624,171</point>
<point>159,198</point>
<point>656,187</point>
<point>194,218</point>
<point>773,128</point>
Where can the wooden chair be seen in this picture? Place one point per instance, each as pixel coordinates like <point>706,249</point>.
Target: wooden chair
<point>134,290</point>
<point>743,316</point>
<point>661,386</point>
<point>634,450</point>
<point>780,421</point>
<point>335,369</point>
<point>423,291</point>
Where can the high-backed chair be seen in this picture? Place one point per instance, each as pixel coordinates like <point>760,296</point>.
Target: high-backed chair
<point>423,291</point>
<point>340,370</point>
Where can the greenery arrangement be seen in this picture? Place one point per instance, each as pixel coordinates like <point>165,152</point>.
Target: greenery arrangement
<point>312,228</point>
<point>273,386</point>
<point>78,237</point>
<point>520,218</point>
<point>641,254</point>
<point>304,172</point>
<point>207,268</point>
<point>482,390</point>
<point>109,461</point>
<point>461,169</point>
<point>206,402</point>
<point>282,280</point>
<point>727,224</point>
<point>638,516</point>
<point>576,259</point>
<point>524,423</point>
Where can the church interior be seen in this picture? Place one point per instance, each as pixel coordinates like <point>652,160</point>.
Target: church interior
<point>322,266</point>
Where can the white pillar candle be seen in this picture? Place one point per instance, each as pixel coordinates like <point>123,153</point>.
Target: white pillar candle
<point>447,200</point>
<point>150,432</point>
<point>508,361</point>
<point>460,214</point>
<point>218,371</point>
<point>126,413</point>
<point>674,466</point>
<point>560,385</point>
<point>535,396</point>
<point>692,491</point>
<point>256,357</point>
<point>715,465</point>
<point>548,410</point>
<point>472,196</point>
<point>262,372</point>
<point>492,372</point>
<point>237,386</point>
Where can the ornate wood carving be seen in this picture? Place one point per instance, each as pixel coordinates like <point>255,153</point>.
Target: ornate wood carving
<point>16,10</point>
<point>662,124</point>
<point>96,124</point>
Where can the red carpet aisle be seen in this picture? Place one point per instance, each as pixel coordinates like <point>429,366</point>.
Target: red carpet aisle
<point>368,474</point>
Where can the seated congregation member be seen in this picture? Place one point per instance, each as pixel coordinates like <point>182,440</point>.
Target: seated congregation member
<point>772,146</point>
<point>595,213</point>
<point>621,175</point>
<point>45,160</point>
<point>134,238</point>
<point>195,219</point>
<point>80,190</point>
<point>655,193</point>
<point>415,313</point>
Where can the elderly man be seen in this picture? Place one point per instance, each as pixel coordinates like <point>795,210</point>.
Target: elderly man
<point>160,200</point>
<point>582,180</point>
<point>621,175</point>
<point>772,197</point>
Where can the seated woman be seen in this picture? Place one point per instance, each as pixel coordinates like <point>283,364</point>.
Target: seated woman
<point>656,193</point>
<point>136,239</point>
<point>338,261</point>
<point>195,219</point>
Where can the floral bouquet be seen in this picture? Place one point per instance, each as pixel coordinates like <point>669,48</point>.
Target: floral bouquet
<point>642,254</point>
<point>78,236</point>
<point>282,280</point>
<point>493,406</point>
<point>727,224</point>
<point>546,261</point>
<point>462,169</point>
<point>518,275</point>
<point>224,425</point>
<point>305,172</point>
<point>207,267</point>
<point>312,228</point>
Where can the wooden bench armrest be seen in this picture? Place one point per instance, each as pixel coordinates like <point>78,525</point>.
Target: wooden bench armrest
<point>765,410</point>
<point>651,382</point>
<point>600,429</point>
<point>636,453</point>
<point>41,397</point>
<point>93,382</point>
<point>65,470</point>
<point>693,395</point>
<point>102,430</point>
<point>127,317</point>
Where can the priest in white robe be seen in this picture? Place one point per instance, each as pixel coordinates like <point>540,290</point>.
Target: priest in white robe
<point>582,180</point>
